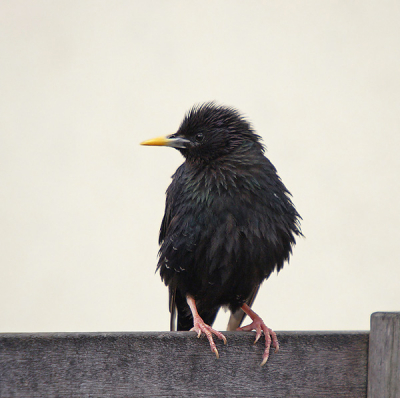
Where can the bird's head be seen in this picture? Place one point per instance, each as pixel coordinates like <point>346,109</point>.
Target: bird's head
<point>209,131</point>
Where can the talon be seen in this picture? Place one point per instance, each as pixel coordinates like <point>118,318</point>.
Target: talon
<point>259,326</point>
<point>264,361</point>
<point>216,353</point>
<point>258,335</point>
<point>200,326</point>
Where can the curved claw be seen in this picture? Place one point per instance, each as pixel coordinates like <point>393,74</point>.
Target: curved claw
<point>259,326</point>
<point>201,327</point>
<point>216,353</point>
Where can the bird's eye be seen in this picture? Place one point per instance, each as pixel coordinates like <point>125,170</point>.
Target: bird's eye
<point>199,137</point>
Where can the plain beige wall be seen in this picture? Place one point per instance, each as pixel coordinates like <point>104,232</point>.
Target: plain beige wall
<point>83,82</point>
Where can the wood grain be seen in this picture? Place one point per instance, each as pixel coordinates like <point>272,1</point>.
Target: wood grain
<point>309,364</point>
<point>384,356</point>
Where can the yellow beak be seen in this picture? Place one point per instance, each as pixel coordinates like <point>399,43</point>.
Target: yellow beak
<point>175,142</point>
<point>159,141</point>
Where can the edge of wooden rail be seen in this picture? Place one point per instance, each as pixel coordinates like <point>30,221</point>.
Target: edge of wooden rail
<point>309,364</point>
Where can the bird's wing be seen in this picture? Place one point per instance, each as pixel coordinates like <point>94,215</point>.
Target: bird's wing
<point>237,317</point>
<point>165,223</point>
<point>173,191</point>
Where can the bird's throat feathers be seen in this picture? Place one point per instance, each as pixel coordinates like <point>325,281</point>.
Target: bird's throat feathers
<point>234,175</point>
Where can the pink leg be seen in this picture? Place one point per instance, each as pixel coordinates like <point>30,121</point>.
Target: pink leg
<point>199,326</point>
<point>259,326</point>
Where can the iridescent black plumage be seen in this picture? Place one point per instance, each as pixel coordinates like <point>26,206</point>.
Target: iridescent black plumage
<point>229,220</point>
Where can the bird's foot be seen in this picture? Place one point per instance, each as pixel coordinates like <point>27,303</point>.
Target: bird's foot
<point>199,326</point>
<point>259,326</point>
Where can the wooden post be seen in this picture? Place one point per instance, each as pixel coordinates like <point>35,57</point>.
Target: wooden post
<point>384,356</point>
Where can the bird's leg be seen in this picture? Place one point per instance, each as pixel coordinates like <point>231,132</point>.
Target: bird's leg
<point>259,326</point>
<point>199,326</point>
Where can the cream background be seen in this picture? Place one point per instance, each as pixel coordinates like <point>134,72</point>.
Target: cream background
<point>83,82</point>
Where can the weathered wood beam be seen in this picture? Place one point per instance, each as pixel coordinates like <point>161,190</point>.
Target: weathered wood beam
<point>384,355</point>
<point>309,364</point>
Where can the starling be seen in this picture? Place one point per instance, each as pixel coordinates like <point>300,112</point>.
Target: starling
<point>229,223</point>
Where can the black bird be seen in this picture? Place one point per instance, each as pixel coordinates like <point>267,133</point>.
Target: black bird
<point>229,223</point>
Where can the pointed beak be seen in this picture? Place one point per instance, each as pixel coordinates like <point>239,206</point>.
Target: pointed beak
<point>170,140</point>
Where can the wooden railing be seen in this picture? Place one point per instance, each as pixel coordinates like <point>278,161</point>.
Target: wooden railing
<point>168,364</point>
